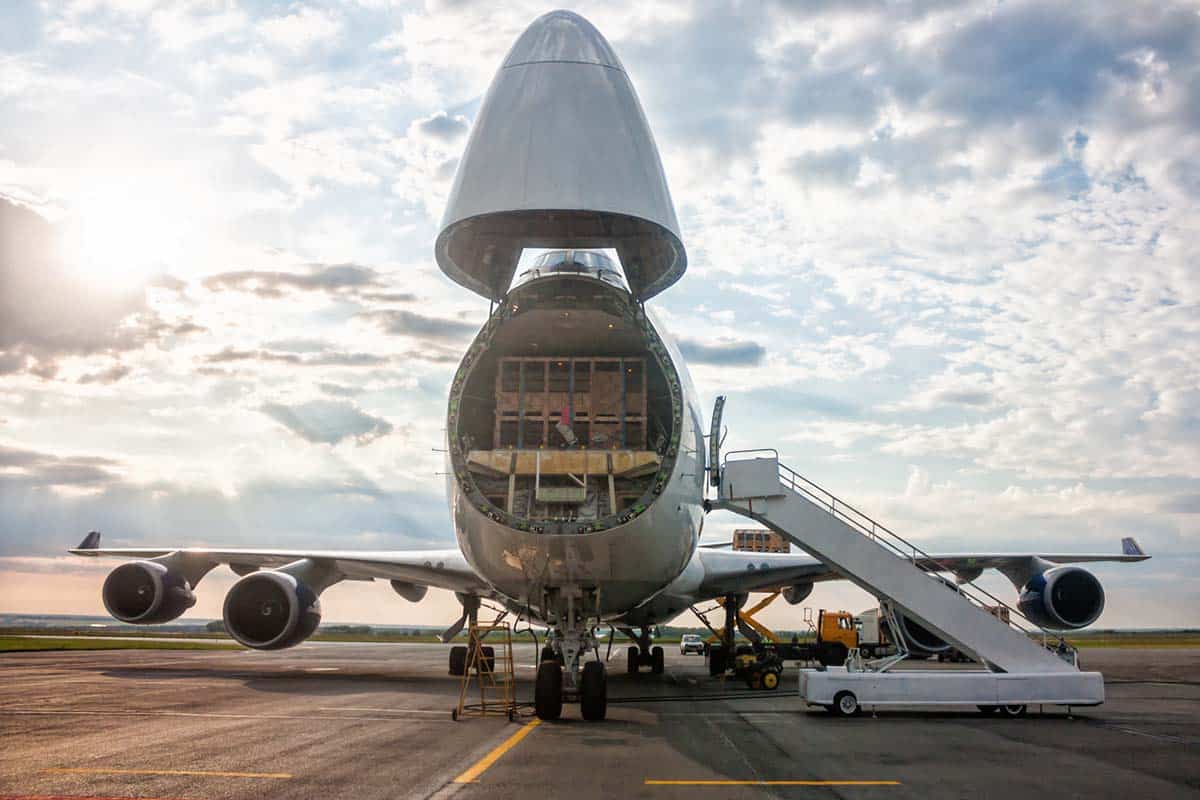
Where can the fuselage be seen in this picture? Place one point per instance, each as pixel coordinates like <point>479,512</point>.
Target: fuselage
<point>556,558</point>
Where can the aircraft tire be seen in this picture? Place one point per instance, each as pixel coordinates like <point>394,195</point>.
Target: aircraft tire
<point>458,660</point>
<point>593,691</point>
<point>547,691</point>
<point>1013,711</point>
<point>716,660</point>
<point>634,662</point>
<point>656,660</point>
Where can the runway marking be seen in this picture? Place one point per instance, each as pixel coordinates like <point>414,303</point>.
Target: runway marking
<point>653,782</point>
<point>389,710</point>
<point>481,766</point>
<point>70,797</point>
<point>200,772</point>
<point>136,713</point>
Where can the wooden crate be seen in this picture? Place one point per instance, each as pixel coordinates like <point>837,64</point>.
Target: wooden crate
<point>604,396</point>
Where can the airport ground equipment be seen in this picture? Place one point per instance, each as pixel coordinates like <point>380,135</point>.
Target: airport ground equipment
<point>836,636</point>
<point>754,484</point>
<point>490,669</point>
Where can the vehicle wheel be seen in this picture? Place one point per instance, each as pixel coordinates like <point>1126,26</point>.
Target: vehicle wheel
<point>656,660</point>
<point>1013,711</point>
<point>716,660</point>
<point>770,680</point>
<point>547,691</point>
<point>634,658</point>
<point>988,709</point>
<point>454,714</point>
<point>458,660</point>
<point>755,680</point>
<point>845,704</point>
<point>834,655</point>
<point>547,654</point>
<point>593,691</point>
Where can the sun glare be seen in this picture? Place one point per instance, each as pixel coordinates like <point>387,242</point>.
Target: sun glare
<point>120,234</point>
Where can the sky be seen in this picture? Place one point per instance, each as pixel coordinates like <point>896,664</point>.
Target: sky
<point>938,257</point>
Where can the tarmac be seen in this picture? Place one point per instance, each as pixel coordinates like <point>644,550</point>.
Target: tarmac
<point>373,721</point>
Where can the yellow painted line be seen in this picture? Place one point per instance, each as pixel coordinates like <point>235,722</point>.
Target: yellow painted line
<point>204,773</point>
<point>481,766</point>
<point>650,782</point>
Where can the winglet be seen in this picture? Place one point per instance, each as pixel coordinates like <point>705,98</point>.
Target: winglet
<point>1130,547</point>
<point>92,541</point>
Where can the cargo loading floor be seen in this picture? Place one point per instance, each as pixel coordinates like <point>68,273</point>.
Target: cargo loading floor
<point>372,721</point>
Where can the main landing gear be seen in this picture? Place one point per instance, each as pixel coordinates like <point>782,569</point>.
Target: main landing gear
<point>642,654</point>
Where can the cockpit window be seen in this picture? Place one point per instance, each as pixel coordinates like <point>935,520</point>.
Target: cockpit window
<point>573,261</point>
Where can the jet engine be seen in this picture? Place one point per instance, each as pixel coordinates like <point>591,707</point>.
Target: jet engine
<point>1062,598</point>
<point>146,593</point>
<point>796,593</point>
<point>271,610</point>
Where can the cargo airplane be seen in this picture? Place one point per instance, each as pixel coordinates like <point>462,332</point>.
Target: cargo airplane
<point>575,443</point>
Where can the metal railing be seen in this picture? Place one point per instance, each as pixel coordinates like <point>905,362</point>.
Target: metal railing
<point>887,538</point>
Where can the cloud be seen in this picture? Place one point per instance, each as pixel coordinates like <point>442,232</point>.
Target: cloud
<point>334,279</point>
<point>29,468</point>
<point>723,353</point>
<point>410,323</point>
<point>338,390</point>
<point>324,358</point>
<point>39,323</point>
<point>443,126</point>
<point>328,422</point>
<point>106,376</point>
<point>301,29</point>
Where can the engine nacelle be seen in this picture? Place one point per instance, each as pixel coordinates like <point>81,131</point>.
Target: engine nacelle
<point>797,593</point>
<point>146,593</point>
<point>1063,598</point>
<point>271,610</point>
<point>412,592</point>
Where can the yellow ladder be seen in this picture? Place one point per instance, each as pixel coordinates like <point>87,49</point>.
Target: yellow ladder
<point>493,674</point>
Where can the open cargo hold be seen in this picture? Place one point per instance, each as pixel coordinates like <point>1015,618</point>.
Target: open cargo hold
<point>568,411</point>
<point>601,402</point>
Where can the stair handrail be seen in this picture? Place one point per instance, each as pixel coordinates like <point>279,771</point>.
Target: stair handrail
<point>827,500</point>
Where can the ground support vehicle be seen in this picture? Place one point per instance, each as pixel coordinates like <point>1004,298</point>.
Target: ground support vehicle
<point>844,692</point>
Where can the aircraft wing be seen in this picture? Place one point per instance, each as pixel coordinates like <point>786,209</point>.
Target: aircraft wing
<point>442,569</point>
<point>735,571</point>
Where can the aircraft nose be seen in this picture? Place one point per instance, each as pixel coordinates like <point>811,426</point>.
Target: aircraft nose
<point>562,36</point>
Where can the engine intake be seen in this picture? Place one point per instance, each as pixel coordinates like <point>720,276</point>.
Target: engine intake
<point>146,593</point>
<point>1063,598</point>
<point>271,610</point>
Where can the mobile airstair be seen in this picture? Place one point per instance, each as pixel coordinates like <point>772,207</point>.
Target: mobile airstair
<point>1021,666</point>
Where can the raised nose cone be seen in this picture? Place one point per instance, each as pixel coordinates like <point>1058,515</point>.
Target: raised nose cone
<point>562,36</point>
<point>560,155</point>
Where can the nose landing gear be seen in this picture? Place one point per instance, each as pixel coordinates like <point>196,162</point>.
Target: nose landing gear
<point>560,677</point>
